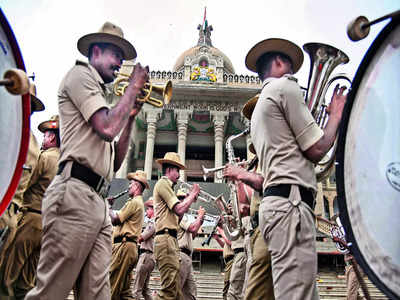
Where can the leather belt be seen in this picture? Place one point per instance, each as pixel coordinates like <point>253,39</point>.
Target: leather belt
<point>238,250</point>
<point>122,239</point>
<point>283,190</point>
<point>95,181</point>
<point>186,251</point>
<point>229,258</point>
<point>171,232</point>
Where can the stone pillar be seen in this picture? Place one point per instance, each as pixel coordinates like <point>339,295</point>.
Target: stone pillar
<point>182,118</point>
<point>123,170</point>
<point>151,119</point>
<point>219,125</point>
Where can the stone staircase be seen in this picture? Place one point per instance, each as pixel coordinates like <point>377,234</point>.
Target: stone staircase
<point>209,286</point>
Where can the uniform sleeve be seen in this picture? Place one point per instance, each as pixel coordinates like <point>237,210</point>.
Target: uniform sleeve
<point>84,91</point>
<point>167,194</point>
<point>127,211</point>
<point>298,116</point>
<point>184,223</point>
<point>148,232</point>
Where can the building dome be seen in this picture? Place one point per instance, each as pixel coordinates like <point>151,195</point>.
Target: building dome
<point>204,49</point>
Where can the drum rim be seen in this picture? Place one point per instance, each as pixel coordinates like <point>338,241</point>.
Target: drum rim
<point>340,185</point>
<point>26,108</point>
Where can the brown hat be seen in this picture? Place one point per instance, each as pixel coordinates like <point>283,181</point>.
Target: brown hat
<point>149,202</point>
<point>171,158</point>
<point>52,124</point>
<point>108,33</point>
<point>275,45</point>
<point>36,104</point>
<point>249,106</point>
<point>181,193</point>
<point>140,176</point>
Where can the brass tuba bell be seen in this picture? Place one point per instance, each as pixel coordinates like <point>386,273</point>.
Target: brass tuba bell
<point>165,90</point>
<point>324,58</point>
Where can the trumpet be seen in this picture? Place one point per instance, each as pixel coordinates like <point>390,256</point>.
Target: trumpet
<point>207,171</point>
<point>165,91</point>
<point>203,196</point>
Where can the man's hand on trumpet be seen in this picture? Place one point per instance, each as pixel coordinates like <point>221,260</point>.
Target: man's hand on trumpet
<point>137,80</point>
<point>201,212</point>
<point>194,191</point>
<point>232,172</point>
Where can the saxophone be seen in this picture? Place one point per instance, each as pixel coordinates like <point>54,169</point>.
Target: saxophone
<point>232,224</point>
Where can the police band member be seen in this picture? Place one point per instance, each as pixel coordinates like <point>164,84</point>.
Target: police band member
<point>288,142</point>
<point>186,233</point>
<point>259,281</point>
<point>77,231</point>
<point>146,260</point>
<point>128,224</point>
<point>168,209</point>
<point>20,258</point>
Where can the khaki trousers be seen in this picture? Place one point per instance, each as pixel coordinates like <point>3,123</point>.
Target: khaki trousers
<point>166,252</point>
<point>144,268</point>
<point>259,284</point>
<point>188,282</point>
<point>124,258</point>
<point>287,225</point>
<point>76,242</point>
<point>236,280</point>
<point>18,269</point>
<point>249,256</point>
<point>227,276</point>
<point>352,283</point>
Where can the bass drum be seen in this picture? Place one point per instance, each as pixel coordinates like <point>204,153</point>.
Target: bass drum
<point>14,119</point>
<point>368,163</point>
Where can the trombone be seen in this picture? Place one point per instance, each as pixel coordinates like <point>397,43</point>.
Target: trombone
<point>121,83</point>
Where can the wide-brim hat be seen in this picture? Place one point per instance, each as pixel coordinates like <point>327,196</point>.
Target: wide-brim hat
<point>36,103</point>
<point>171,158</point>
<point>140,176</point>
<point>249,106</point>
<point>52,124</point>
<point>275,45</point>
<point>108,33</point>
<point>149,203</point>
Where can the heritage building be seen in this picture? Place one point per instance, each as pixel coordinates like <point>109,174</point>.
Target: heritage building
<point>204,111</point>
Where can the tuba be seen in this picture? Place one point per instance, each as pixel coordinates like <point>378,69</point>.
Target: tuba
<point>121,83</point>
<point>323,59</point>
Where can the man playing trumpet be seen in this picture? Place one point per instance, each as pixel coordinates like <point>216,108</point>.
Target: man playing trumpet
<point>128,224</point>
<point>76,241</point>
<point>168,210</point>
<point>186,233</point>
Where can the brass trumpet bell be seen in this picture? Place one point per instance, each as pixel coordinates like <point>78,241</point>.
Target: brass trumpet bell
<point>165,91</point>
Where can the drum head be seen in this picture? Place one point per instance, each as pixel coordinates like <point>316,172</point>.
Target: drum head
<point>14,119</point>
<point>368,170</point>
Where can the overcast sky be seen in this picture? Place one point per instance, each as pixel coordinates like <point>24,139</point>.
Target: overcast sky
<point>47,31</point>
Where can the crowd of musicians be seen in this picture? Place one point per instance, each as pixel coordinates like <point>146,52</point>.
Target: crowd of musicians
<point>60,232</point>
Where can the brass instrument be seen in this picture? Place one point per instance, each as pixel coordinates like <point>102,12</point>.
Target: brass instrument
<point>120,85</point>
<point>233,223</point>
<point>203,196</point>
<point>323,59</point>
<point>208,217</point>
<point>207,171</point>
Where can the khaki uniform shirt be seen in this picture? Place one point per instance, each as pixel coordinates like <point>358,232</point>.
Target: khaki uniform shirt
<point>41,178</point>
<point>239,243</point>
<point>131,217</point>
<point>148,236</point>
<point>82,92</point>
<point>185,237</point>
<point>164,201</point>
<point>282,127</point>
<point>30,164</point>
<point>227,251</point>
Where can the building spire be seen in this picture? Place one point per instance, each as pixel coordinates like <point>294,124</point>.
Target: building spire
<point>204,31</point>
